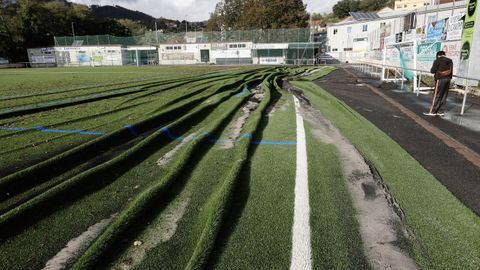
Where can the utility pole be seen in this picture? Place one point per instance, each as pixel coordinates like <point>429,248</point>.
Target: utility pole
<point>186,24</point>
<point>156,32</point>
<point>73,30</point>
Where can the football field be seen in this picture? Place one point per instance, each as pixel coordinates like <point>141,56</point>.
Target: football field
<point>212,167</point>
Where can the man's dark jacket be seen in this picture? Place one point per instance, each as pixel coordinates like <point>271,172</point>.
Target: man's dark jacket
<point>442,64</point>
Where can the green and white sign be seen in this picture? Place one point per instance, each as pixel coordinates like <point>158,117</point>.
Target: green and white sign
<point>470,36</point>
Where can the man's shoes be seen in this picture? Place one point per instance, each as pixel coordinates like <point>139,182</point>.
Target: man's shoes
<point>429,114</point>
<point>441,114</point>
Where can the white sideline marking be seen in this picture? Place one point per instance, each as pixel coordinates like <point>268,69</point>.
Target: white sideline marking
<point>301,247</point>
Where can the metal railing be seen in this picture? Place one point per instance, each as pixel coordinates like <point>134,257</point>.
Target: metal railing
<point>384,75</point>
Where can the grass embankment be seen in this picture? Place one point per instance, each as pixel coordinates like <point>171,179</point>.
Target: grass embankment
<point>448,233</point>
<point>336,240</point>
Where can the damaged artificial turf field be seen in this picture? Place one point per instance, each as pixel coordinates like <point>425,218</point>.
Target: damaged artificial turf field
<point>210,206</point>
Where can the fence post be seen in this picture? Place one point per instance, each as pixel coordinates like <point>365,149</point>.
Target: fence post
<point>415,88</point>
<point>384,61</point>
<point>403,77</point>
<point>464,98</point>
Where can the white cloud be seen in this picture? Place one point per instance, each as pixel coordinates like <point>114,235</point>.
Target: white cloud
<point>193,10</point>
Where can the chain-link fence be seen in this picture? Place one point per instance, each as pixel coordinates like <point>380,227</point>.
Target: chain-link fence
<point>296,35</point>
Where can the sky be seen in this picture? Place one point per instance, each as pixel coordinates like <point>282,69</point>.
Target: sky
<point>192,10</point>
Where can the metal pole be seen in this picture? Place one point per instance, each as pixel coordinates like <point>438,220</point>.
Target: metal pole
<point>415,89</point>
<point>138,58</point>
<point>73,31</point>
<point>403,77</point>
<point>156,32</point>
<point>464,98</point>
<point>384,60</point>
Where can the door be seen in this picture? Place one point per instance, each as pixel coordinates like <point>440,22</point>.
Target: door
<point>205,56</point>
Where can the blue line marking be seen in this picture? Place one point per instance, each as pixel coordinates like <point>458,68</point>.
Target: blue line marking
<point>247,135</point>
<point>12,129</point>
<point>243,93</point>
<point>135,134</point>
<point>132,130</point>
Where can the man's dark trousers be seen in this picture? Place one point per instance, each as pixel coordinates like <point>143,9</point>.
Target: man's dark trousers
<point>441,93</point>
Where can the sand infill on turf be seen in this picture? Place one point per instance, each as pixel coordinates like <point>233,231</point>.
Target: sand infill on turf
<point>163,161</point>
<point>77,246</point>
<point>161,231</point>
<point>237,127</point>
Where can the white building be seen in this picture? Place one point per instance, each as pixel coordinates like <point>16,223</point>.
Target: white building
<point>92,56</point>
<point>366,32</point>
<point>237,53</point>
<point>184,54</point>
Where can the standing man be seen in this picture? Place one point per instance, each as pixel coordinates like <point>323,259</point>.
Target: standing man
<point>443,70</point>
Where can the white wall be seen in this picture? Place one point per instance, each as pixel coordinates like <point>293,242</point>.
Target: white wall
<point>182,54</point>
<point>346,32</point>
<point>224,50</point>
<point>89,56</point>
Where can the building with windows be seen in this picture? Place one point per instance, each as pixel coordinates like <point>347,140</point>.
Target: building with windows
<point>367,31</point>
<point>411,4</point>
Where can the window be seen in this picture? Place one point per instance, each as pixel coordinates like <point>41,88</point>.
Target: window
<point>334,50</point>
<point>347,49</point>
<point>349,29</point>
<point>237,46</point>
<point>335,31</point>
<point>359,39</point>
<point>404,6</point>
<point>399,6</point>
<point>174,48</point>
<point>364,28</point>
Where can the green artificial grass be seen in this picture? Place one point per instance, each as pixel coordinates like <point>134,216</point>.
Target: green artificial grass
<point>258,231</point>
<point>448,233</point>
<point>336,240</point>
<point>318,73</point>
<point>141,203</point>
<point>32,81</point>
<point>98,205</point>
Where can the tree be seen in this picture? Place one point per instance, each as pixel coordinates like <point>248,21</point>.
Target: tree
<point>134,28</point>
<point>342,8</point>
<point>34,23</point>
<point>255,14</point>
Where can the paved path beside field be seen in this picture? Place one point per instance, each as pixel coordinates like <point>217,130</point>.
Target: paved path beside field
<point>453,162</point>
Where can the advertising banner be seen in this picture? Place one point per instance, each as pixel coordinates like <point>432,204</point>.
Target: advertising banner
<point>470,28</point>
<point>452,51</point>
<point>427,52</point>
<point>455,27</point>
<point>435,30</point>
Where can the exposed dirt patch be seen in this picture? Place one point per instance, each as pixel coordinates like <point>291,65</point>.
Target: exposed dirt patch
<point>377,218</point>
<point>77,246</point>
<point>161,231</point>
<point>237,127</point>
<point>163,161</point>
